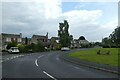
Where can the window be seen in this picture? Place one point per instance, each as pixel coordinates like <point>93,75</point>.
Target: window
<point>19,40</point>
<point>8,39</point>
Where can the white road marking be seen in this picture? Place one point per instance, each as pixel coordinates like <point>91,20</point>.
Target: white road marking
<point>21,55</point>
<point>14,56</point>
<point>1,61</point>
<point>7,58</point>
<point>49,75</point>
<point>11,58</point>
<point>57,58</point>
<point>76,67</point>
<point>40,56</point>
<point>36,62</point>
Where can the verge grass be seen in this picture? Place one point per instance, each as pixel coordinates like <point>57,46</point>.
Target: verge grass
<point>91,55</point>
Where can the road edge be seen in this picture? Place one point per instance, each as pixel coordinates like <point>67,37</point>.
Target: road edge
<point>65,57</point>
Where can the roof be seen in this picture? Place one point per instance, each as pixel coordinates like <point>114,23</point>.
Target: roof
<point>56,38</point>
<point>75,39</point>
<point>39,36</point>
<point>81,38</point>
<point>10,35</point>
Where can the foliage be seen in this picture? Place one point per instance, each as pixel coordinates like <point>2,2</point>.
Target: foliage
<point>113,40</point>
<point>11,44</point>
<point>26,40</point>
<point>22,48</point>
<point>31,48</point>
<point>65,38</point>
<point>38,47</point>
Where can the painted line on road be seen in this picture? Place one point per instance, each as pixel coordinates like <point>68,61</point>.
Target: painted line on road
<point>57,58</point>
<point>36,62</point>
<point>76,67</point>
<point>49,75</point>
<point>8,59</point>
<point>12,58</point>
<point>1,61</point>
<point>40,56</point>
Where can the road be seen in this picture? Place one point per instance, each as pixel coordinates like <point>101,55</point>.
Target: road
<point>46,65</point>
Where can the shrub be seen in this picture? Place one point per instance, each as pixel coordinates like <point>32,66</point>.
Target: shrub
<point>22,48</point>
<point>11,44</point>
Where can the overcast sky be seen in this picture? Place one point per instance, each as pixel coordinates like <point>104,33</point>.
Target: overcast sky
<point>93,20</point>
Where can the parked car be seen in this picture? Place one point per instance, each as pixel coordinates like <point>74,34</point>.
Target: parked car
<point>13,50</point>
<point>65,49</point>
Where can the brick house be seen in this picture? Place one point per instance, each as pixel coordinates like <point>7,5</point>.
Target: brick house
<point>6,38</point>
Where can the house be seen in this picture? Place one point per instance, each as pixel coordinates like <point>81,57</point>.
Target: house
<point>54,43</point>
<point>6,38</point>
<point>40,39</point>
<point>75,43</point>
<point>81,42</point>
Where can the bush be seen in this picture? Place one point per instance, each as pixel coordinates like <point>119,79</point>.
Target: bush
<point>11,44</point>
<point>31,48</point>
<point>23,48</point>
<point>36,47</point>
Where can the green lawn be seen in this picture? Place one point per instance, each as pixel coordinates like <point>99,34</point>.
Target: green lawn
<point>91,55</point>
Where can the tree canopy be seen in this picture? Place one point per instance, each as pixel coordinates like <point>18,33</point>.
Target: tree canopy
<point>113,39</point>
<point>63,33</point>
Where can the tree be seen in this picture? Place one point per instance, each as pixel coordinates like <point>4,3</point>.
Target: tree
<point>106,42</point>
<point>65,38</point>
<point>26,40</point>
<point>117,35</point>
<point>113,39</point>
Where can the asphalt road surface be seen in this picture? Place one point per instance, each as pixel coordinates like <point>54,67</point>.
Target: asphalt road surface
<point>46,65</point>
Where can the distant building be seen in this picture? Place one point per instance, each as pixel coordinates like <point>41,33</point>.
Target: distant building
<point>75,43</point>
<point>54,44</point>
<point>81,42</point>
<point>40,39</point>
<point>6,38</point>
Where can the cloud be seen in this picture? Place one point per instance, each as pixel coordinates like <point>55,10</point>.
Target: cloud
<point>83,22</point>
<point>30,18</point>
<point>41,17</point>
<point>79,6</point>
<point>119,13</point>
<point>61,0</point>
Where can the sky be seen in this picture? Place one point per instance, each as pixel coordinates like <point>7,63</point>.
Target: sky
<point>92,19</point>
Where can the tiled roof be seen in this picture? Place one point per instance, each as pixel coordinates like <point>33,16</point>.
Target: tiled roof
<point>10,35</point>
<point>39,36</point>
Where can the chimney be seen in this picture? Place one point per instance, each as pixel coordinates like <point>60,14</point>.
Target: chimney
<point>47,35</point>
<point>20,35</point>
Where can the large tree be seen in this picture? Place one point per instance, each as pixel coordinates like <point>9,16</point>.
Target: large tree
<point>113,39</point>
<point>65,38</point>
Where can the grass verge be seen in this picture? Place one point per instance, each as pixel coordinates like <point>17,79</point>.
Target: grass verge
<point>91,55</point>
